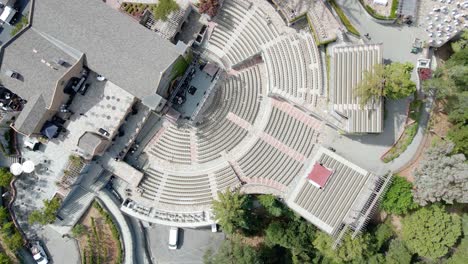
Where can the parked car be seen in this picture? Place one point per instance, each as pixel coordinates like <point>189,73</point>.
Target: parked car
<point>84,88</point>
<point>173,235</point>
<point>214,228</point>
<point>39,253</point>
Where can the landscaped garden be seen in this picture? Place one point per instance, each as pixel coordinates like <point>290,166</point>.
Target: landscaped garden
<point>344,19</point>
<point>385,13</point>
<point>410,130</point>
<point>98,237</point>
<point>160,11</point>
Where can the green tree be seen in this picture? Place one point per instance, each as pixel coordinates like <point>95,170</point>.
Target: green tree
<point>392,81</point>
<point>460,256</point>
<point>398,82</point>
<point>296,236</point>
<point>5,177</point>
<point>4,259</point>
<point>398,253</point>
<point>231,211</point>
<point>430,231</point>
<point>15,241</point>
<point>357,249</point>
<point>382,234</point>
<point>3,214</point>
<point>47,214</point>
<point>271,204</point>
<point>399,198</point>
<point>462,43</point>
<point>233,251</point>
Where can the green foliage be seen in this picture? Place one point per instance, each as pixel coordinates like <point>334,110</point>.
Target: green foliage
<point>4,215</point>
<point>74,160</point>
<point>357,249</point>
<point>398,253</point>
<point>462,43</point>
<point>271,204</point>
<point>399,198</point>
<point>20,25</point>
<point>431,232</point>
<point>233,251</point>
<point>398,83</point>
<point>392,81</point>
<point>460,256</point>
<point>47,214</point>
<point>394,9</point>
<point>180,66</point>
<point>296,236</point>
<point>4,259</point>
<point>5,177</point>
<point>164,8</point>
<point>344,19</point>
<point>382,234</point>
<point>78,230</point>
<point>231,211</point>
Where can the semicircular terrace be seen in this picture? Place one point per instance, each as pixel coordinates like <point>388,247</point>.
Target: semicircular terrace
<point>251,135</point>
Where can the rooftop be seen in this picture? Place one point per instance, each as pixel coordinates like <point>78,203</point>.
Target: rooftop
<point>319,175</point>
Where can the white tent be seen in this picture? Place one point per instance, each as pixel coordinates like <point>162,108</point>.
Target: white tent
<point>28,166</point>
<point>16,169</point>
<point>381,2</point>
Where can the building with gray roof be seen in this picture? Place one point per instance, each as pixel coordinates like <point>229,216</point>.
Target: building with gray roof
<point>347,65</point>
<point>65,35</point>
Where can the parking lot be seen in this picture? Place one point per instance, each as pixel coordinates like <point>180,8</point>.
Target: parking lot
<point>192,244</point>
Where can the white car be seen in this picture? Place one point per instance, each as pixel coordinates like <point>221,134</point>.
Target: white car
<point>173,234</point>
<point>214,228</point>
<point>38,253</point>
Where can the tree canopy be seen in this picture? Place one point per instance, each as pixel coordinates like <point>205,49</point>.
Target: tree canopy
<point>392,81</point>
<point>47,214</point>
<point>460,256</point>
<point>398,253</point>
<point>164,8</point>
<point>441,176</point>
<point>231,211</point>
<point>233,250</point>
<point>209,7</point>
<point>461,43</point>
<point>399,198</point>
<point>357,249</point>
<point>5,177</point>
<point>430,231</point>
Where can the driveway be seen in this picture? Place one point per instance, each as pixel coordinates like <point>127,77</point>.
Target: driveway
<point>397,39</point>
<point>59,249</point>
<point>192,245</point>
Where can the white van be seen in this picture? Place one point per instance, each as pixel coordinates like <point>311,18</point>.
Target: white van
<point>173,234</point>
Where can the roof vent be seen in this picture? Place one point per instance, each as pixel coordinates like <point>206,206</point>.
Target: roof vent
<point>34,50</point>
<point>61,62</point>
<point>12,74</point>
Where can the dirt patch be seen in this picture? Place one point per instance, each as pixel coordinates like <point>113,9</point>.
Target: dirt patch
<point>97,244</point>
<point>439,126</point>
<point>255,241</point>
<point>396,223</point>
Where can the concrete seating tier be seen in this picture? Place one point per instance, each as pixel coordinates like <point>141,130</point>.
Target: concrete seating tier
<point>241,29</point>
<point>290,131</point>
<point>226,178</point>
<point>265,161</point>
<point>151,184</point>
<point>181,190</point>
<point>173,146</point>
<point>293,68</point>
<point>239,95</point>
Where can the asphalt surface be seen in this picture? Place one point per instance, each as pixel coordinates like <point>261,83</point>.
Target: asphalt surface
<point>192,245</point>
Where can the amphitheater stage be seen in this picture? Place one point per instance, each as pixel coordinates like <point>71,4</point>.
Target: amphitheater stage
<point>196,91</point>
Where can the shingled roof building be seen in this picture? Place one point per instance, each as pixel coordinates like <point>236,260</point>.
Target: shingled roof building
<point>335,194</point>
<point>346,70</point>
<point>65,35</point>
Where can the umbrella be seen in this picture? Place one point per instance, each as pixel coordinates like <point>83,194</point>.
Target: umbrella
<point>28,166</point>
<point>16,169</point>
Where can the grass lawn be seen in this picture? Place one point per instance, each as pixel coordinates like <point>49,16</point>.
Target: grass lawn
<point>160,11</point>
<point>409,133</point>
<point>344,19</point>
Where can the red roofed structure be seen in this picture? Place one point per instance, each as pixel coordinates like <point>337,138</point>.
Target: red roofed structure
<point>319,175</point>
